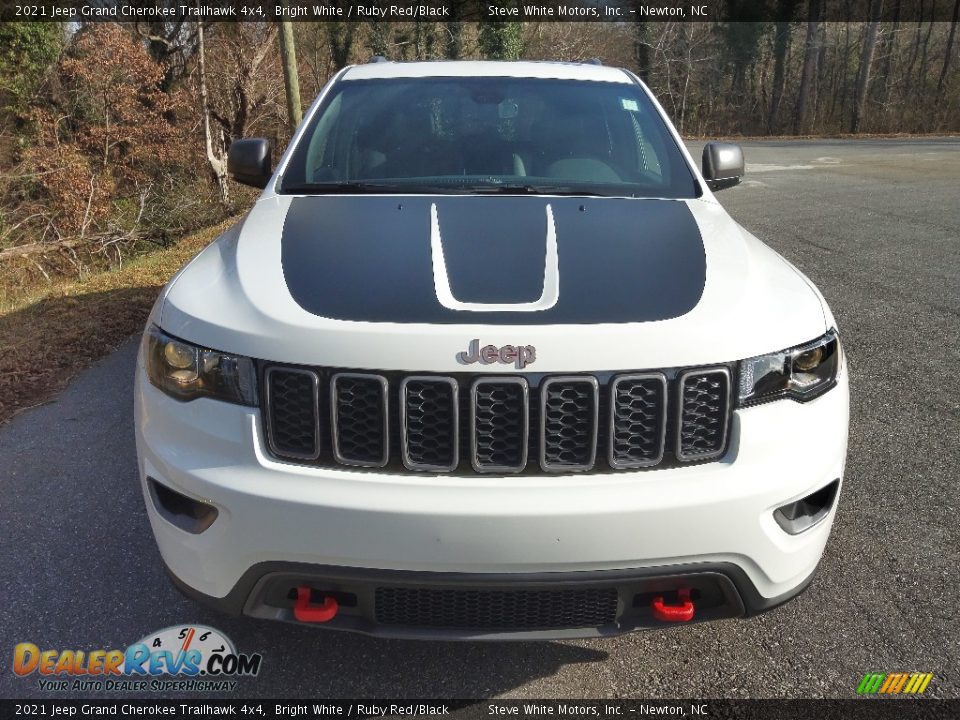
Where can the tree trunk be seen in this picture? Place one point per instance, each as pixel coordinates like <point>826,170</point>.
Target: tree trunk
<point>921,85</point>
<point>424,39</point>
<point>37,248</point>
<point>453,47</point>
<point>891,50</point>
<point>781,45</point>
<point>863,77</point>
<point>820,73</point>
<point>291,78</point>
<point>500,40</point>
<point>379,38</point>
<point>811,54</point>
<point>949,53</point>
<point>641,50</point>
<point>916,46</point>
<point>217,162</point>
<point>340,35</point>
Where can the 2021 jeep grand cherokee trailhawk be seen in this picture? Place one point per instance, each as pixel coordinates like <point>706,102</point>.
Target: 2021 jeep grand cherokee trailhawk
<point>487,359</point>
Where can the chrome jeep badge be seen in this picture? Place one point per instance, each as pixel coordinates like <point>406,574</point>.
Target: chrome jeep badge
<point>521,355</point>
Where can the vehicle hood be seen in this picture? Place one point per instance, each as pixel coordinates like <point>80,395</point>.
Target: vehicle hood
<point>406,282</point>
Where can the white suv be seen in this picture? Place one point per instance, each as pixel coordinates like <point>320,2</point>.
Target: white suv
<point>487,359</point>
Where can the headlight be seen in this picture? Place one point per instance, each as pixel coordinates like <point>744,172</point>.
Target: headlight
<point>186,372</point>
<point>801,373</point>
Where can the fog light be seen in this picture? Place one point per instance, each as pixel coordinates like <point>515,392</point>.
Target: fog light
<point>192,516</point>
<point>803,514</point>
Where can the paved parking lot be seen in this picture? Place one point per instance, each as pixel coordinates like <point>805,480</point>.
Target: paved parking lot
<point>875,223</point>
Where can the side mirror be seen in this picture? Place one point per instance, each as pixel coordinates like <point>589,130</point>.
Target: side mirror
<point>723,165</point>
<point>248,161</point>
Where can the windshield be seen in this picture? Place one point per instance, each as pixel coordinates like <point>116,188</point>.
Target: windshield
<point>510,135</point>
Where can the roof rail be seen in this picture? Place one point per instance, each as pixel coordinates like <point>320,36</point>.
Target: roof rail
<point>378,59</point>
<point>593,61</point>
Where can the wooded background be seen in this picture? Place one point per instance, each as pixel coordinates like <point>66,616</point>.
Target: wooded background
<point>113,137</point>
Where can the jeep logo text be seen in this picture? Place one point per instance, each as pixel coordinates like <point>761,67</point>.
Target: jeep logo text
<point>522,355</point>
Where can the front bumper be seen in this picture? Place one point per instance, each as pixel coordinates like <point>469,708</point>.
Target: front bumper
<point>471,606</point>
<point>320,523</point>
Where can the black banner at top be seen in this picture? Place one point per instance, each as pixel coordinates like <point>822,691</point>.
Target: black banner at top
<point>618,11</point>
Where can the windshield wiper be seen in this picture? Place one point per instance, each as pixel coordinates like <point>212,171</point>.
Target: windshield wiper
<point>347,188</point>
<point>529,189</point>
<point>365,187</point>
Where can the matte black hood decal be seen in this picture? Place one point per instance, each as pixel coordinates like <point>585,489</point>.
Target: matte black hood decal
<point>368,258</point>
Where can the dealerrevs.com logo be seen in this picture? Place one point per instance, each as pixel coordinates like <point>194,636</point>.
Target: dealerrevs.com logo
<point>198,657</point>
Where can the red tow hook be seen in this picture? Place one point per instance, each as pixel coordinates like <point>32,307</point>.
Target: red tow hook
<point>674,613</point>
<point>305,612</point>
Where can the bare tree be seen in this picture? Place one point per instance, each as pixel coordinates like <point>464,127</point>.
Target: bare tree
<point>920,84</point>
<point>172,43</point>
<point>889,53</point>
<point>641,48</point>
<point>248,85</point>
<point>866,60</point>
<point>215,156</point>
<point>340,36</point>
<point>291,78</point>
<point>810,58</point>
<point>948,53</point>
<point>453,45</point>
<point>380,38</point>
<point>783,25</point>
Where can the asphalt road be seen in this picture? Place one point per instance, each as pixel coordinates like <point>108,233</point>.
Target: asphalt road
<point>876,224</point>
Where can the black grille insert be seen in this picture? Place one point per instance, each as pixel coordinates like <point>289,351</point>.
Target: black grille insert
<point>704,407</point>
<point>496,609</point>
<point>465,423</point>
<point>568,427</point>
<point>638,420</point>
<point>293,420</point>
<point>499,424</point>
<point>359,406</point>
<point>429,418</point>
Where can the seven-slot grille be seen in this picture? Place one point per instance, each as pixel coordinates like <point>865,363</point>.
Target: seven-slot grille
<point>497,424</point>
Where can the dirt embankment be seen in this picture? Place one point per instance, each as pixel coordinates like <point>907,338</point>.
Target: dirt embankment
<point>50,334</point>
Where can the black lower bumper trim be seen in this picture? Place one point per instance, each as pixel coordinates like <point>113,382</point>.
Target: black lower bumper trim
<point>267,590</point>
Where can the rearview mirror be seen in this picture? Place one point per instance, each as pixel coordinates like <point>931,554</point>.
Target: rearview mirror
<point>248,161</point>
<point>723,165</point>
